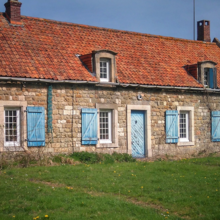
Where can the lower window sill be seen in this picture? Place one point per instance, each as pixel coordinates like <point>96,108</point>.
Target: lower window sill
<point>189,143</point>
<point>106,145</point>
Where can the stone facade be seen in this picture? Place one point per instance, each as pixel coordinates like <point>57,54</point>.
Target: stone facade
<point>68,100</point>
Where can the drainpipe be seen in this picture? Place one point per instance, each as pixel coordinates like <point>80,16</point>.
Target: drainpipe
<point>50,110</point>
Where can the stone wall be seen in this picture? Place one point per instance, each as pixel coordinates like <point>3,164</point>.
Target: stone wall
<point>68,100</point>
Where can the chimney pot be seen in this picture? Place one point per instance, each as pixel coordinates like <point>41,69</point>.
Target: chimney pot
<point>203,31</point>
<point>13,11</point>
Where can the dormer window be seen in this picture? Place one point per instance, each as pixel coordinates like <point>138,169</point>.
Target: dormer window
<point>207,74</point>
<point>104,70</point>
<point>104,65</point>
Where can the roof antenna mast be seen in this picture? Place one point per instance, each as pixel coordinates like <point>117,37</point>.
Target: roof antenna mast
<point>194,19</point>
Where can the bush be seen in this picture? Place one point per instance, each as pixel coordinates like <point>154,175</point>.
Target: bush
<point>123,157</point>
<point>86,157</point>
<point>108,159</point>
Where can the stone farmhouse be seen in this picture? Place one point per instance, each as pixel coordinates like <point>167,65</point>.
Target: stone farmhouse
<point>67,87</point>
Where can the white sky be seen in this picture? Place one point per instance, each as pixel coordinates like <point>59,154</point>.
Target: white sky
<point>172,18</point>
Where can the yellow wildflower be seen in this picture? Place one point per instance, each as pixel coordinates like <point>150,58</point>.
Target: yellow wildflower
<point>207,196</point>
<point>114,171</point>
<point>46,216</point>
<point>142,187</point>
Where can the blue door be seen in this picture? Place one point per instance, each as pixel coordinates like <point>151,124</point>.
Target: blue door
<point>138,133</point>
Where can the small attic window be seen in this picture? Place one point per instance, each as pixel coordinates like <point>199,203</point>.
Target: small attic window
<point>207,73</point>
<point>104,65</point>
<point>104,70</point>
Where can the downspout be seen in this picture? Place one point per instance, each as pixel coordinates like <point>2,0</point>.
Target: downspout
<point>50,111</point>
<point>72,116</point>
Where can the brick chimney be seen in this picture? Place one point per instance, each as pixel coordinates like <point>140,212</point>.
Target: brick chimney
<point>203,31</point>
<point>13,11</point>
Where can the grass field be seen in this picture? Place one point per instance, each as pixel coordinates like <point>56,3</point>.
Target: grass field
<point>184,189</point>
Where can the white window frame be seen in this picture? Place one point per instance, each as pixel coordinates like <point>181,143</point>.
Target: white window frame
<point>206,82</point>
<point>190,140</point>
<point>109,112</point>
<point>13,143</point>
<point>113,142</point>
<point>107,79</point>
<point>22,105</point>
<point>186,138</point>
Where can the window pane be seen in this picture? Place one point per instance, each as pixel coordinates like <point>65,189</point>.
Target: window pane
<point>104,125</point>
<point>206,72</point>
<point>183,125</point>
<point>104,69</point>
<point>11,124</point>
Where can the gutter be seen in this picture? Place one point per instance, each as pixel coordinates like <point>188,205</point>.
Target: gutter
<point>109,83</point>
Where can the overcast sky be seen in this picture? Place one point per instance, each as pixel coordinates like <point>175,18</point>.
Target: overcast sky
<point>172,18</point>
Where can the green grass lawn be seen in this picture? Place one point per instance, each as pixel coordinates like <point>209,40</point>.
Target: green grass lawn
<point>184,189</point>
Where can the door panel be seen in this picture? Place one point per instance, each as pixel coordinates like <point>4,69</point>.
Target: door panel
<point>138,133</point>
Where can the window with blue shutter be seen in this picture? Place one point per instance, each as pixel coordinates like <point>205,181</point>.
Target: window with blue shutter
<point>89,126</point>
<point>216,126</point>
<point>211,78</point>
<point>215,78</point>
<point>35,126</point>
<point>171,126</point>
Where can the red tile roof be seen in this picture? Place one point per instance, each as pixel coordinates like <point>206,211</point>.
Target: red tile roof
<point>47,49</point>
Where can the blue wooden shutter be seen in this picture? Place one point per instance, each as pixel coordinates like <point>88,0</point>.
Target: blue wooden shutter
<point>216,126</point>
<point>89,126</point>
<point>211,78</point>
<point>171,126</point>
<point>215,78</point>
<point>35,126</point>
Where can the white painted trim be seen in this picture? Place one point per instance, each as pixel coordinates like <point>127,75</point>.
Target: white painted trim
<point>114,109</point>
<point>147,109</point>
<point>109,140</point>
<point>107,70</point>
<point>190,110</point>
<point>186,139</point>
<point>13,143</point>
<point>22,105</point>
